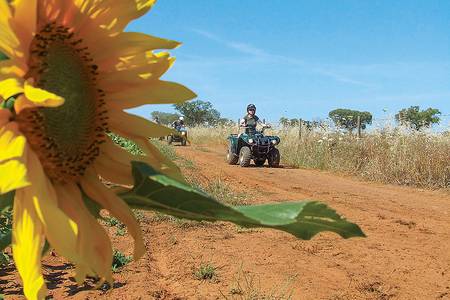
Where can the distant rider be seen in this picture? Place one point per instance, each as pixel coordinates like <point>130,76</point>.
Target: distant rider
<point>250,120</point>
<point>178,123</point>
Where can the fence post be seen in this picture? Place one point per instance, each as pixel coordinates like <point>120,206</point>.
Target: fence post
<point>300,122</point>
<point>358,122</point>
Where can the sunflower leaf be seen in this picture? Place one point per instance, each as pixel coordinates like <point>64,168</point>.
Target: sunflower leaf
<point>46,248</point>
<point>6,201</point>
<point>5,240</point>
<point>3,56</point>
<point>304,219</point>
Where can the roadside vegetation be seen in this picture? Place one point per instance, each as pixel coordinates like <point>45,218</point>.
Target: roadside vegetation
<point>403,150</point>
<point>389,154</point>
<point>247,286</point>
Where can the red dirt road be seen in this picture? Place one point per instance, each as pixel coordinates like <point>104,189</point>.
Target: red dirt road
<point>405,256</point>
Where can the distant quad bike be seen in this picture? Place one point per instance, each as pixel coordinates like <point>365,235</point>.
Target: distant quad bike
<point>242,148</point>
<point>179,137</point>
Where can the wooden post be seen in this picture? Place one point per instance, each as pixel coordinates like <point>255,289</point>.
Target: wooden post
<point>358,122</point>
<point>300,122</point>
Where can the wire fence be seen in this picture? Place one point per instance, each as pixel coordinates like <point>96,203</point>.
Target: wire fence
<point>376,124</point>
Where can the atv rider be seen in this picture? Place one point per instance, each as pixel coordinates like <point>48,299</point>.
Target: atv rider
<point>178,123</point>
<point>250,120</point>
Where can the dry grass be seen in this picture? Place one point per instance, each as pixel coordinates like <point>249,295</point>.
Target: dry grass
<point>246,286</point>
<point>208,135</point>
<point>388,154</point>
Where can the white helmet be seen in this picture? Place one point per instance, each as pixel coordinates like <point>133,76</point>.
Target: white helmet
<point>181,118</point>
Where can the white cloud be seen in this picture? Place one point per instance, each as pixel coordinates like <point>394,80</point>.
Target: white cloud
<point>263,56</point>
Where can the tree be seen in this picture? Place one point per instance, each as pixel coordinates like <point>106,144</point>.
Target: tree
<point>416,118</point>
<point>165,118</point>
<point>348,119</point>
<point>310,125</point>
<point>199,113</point>
<point>294,122</point>
<point>284,121</point>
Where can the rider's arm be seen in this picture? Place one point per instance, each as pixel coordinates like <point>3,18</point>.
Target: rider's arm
<point>243,122</point>
<point>258,121</point>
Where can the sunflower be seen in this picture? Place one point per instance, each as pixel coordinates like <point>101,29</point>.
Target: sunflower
<point>70,74</point>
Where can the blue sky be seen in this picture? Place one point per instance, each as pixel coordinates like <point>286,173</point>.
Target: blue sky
<point>298,58</point>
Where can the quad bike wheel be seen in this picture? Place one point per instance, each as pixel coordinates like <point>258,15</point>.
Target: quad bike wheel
<point>274,158</point>
<point>183,142</point>
<point>259,162</point>
<point>245,155</point>
<point>232,158</point>
<point>169,139</point>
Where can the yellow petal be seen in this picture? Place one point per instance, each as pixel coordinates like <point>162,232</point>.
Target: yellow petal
<point>13,169</point>
<point>12,142</point>
<point>9,43</point>
<point>27,243</point>
<point>39,97</point>
<point>127,44</point>
<point>25,20</point>
<point>5,12</point>
<point>22,103</point>
<point>93,243</point>
<point>153,155</point>
<point>147,128</point>
<point>10,87</point>
<point>13,175</point>
<point>155,92</point>
<point>8,68</point>
<point>113,164</point>
<point>135,70</point>
<point>118,208</point>
<point>57,226</point>
<point>110,16</point>
<point>42,97</point>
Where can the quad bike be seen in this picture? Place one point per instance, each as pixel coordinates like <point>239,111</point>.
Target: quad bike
<point>244,147</point>
<point>180,136</point>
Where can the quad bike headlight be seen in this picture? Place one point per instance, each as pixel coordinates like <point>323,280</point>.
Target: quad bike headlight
<point>183,133</point>
<point>250,141</point>
<point>274,142</point>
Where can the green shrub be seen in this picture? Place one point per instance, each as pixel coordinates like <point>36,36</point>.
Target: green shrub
<point>119,260</point>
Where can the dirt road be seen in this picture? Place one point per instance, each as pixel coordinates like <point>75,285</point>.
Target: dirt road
<point>405,256</point>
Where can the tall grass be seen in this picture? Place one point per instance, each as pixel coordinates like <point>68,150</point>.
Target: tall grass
<point>386,154</point>
<point>206,135</point>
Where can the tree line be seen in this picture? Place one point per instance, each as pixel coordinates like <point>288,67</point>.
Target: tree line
<point>202,113</point>
<point>412,117</point>
<point>195,113</point>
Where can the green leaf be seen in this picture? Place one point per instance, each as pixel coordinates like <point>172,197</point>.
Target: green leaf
<point>6,201</point>
<point>8,104</point>
<point>5,240</point>
<point>46,248</point>
<point>3,56</point>
<point>154,191</point>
